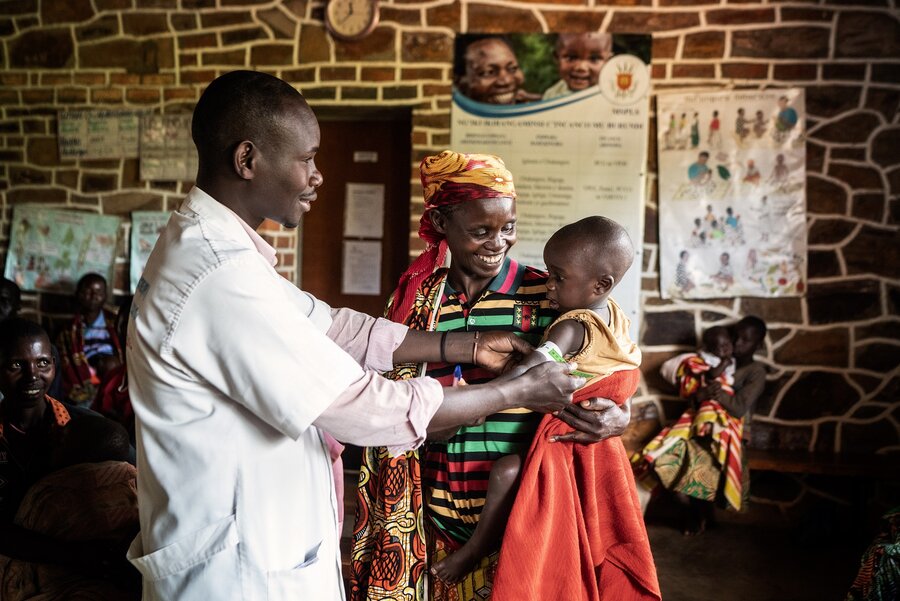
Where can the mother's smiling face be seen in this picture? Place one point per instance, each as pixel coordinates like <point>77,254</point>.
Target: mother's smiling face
<point>479,235</point>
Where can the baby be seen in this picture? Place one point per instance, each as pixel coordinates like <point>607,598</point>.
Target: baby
<point>91,439</point>
<point>714,361</point>
<point>585,261</point>
<point>579,58</point>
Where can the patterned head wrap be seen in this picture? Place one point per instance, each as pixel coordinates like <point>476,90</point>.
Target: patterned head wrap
<point>449,178</point>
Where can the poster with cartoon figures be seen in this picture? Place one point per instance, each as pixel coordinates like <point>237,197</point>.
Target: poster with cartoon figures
<point>146,226</point>
<point>49,250</point>
<point>732,194</point>
<point>568,114</point>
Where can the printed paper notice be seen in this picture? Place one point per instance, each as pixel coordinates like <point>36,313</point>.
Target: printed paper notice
<point>364,212</point>
<point>361,272</point>
<point>98,134</point>
<point>167,151</point>
<point>573,136</point>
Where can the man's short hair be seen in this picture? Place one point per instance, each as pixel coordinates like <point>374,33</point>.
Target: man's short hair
<point>88,278</point>
<point>240,105</point>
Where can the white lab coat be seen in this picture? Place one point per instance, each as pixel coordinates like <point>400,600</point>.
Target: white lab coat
<point>228,368</point>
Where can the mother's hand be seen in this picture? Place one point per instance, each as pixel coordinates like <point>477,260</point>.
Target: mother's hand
<point>594,420</point>
<point>499,351</point>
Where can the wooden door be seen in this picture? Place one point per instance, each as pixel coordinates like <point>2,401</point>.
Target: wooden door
<point>350,141</point>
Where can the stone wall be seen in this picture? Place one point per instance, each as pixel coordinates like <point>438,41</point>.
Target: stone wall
<point>834,382</point>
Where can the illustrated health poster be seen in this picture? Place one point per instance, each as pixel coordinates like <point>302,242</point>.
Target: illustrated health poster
<point>732,194</point>
<point>568,114</point>
<point>49,250</point>
<point>146,226</point>
<point>99,134</point>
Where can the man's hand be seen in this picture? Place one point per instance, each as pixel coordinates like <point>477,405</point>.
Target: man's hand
<point>499,351</point>
<point>594,420</point>
<point>546,388</point>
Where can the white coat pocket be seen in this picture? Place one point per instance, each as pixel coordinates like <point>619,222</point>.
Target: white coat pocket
<point>201,565</point>
<point>307,581</point>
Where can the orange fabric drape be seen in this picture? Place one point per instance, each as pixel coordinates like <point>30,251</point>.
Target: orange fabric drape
<point>576,531</point>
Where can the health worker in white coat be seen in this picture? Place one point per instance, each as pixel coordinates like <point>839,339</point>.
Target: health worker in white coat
<point>236,375</point>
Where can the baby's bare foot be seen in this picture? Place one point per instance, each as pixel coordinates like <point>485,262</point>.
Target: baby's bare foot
<point>454,567</point>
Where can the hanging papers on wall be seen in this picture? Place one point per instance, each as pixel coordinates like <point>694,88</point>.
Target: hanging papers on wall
<point>568,114</point>
<point>732,202</point>
<point>167,151</point>
<point>364,211</point>
<point>361,271</point>
<point>98,134</point>
<point>49,250</point>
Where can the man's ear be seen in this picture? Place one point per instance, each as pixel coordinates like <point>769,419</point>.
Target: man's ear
<point>604,284</point>
<point>439,221</point>
<point>244,159</point>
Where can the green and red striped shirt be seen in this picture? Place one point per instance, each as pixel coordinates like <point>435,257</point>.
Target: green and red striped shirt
<point>455,471</point>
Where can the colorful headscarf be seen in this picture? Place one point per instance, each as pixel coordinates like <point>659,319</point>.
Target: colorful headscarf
<point>448,178</point>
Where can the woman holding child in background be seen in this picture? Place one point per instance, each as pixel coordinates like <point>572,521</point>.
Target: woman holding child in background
<point>469,215</point>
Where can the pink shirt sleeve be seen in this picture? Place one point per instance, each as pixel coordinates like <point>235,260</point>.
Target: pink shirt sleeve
<point>370,341</point>
<point>375,411</point>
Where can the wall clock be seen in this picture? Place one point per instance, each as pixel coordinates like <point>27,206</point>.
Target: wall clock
<point>351,19</point>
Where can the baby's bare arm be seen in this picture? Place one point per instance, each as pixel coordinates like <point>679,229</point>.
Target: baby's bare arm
<point>716,371</point>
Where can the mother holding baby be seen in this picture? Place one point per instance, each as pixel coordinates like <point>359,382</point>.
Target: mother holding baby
<point>470,216</point>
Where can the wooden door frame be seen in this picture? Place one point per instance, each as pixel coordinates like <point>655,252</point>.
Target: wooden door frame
<point>402,115</point>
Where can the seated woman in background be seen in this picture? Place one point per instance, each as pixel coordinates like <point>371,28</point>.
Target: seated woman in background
<point>700,457</point>
<point>31,429</point>
<point>10,305</point>
<point>89,346</point>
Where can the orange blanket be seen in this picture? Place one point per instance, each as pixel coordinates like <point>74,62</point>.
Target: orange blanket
<point>576,530</point>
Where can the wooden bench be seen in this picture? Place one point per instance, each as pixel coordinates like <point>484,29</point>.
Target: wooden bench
<point>828,464</point>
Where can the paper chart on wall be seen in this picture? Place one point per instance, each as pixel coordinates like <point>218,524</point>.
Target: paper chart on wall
<point>364,210</point>
<point>574,138</point>
<point>361,269</point>
<point>49,250</point>
<point>732,201</point>
<point>167,150</point>
<point>146,226</point>
<point>99,134</point>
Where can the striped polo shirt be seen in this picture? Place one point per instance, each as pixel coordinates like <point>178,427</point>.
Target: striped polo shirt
<point>456,471</point>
